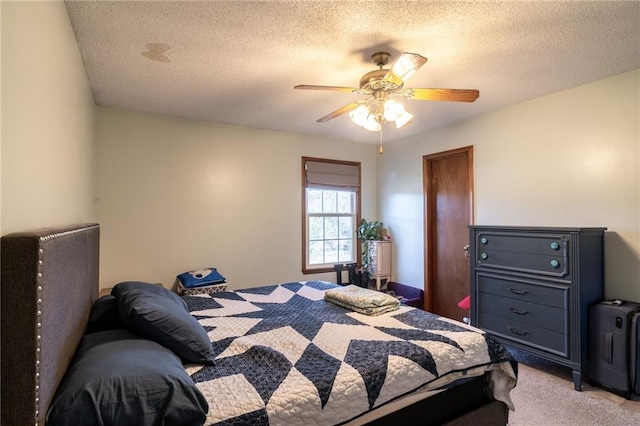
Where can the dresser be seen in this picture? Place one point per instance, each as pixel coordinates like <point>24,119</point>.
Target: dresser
<point>531,288</point>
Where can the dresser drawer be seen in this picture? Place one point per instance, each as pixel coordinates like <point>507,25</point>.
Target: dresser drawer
<point>554,266</point>
<point>525,333</point>
<point>529,253</point>
<point>556,296</point>
<point>531,243</point>
<point>543,316</point>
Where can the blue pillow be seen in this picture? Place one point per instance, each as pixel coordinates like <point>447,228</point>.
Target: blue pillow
<point>161,315</point>
<point>104,315</point>
<point>117,378</point>
<point>207,276</point>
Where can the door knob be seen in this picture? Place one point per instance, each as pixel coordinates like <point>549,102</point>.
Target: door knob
<point>466,250</point>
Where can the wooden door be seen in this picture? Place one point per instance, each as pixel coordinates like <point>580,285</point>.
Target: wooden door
<point>448,197</point>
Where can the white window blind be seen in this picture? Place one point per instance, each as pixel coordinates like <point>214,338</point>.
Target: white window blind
<point>336,176</point>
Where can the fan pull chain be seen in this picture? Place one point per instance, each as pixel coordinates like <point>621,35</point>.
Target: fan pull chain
<point>381,151</point>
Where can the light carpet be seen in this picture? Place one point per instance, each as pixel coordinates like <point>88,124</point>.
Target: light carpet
<point>545,396</point>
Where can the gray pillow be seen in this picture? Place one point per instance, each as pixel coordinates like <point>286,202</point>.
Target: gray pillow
<point>162,316</point>
<point>118,378</point>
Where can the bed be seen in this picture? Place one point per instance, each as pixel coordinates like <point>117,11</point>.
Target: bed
<point>50,284</point>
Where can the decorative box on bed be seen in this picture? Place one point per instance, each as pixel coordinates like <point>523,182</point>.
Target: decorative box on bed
<point>201,281</point>
<point>204,289</point>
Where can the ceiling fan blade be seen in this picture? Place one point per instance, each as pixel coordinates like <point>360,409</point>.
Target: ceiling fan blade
<point>332,88</point>
<point>338,112</point>
<point>404,67</point>
<point>453,95</point>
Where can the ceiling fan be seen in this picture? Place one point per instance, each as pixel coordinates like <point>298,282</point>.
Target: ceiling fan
<point>381,84</point>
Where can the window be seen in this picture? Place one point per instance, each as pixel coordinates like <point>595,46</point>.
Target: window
<point>331,210</point>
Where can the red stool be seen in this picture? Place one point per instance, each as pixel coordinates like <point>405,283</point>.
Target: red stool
<point>466,305</point>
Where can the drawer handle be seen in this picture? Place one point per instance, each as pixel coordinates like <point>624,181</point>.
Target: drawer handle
<point>516,331</point>
<point>484,240</point>
<point>520,292</point>
<point>555,246</point>
<point>484,256</point>
<point>554,263</point>
<point>515,311</point>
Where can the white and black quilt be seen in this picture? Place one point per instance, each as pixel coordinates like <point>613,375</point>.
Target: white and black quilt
<point>285,356</point>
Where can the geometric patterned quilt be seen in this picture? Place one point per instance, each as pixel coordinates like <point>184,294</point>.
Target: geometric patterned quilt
<point>285,356</point>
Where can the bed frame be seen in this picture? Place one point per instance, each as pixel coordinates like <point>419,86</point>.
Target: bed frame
<point>49,282</point>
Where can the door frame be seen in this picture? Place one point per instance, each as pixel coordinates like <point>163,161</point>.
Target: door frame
<point>429,213</point>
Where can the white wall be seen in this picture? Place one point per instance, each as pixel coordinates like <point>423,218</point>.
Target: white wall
<point>568,159</point>
<point>177,195</point>
<point>47,120</point>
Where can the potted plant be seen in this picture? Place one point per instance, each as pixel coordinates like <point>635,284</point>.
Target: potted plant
<point>367,232</point>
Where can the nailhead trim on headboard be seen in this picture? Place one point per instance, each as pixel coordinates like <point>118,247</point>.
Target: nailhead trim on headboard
<point>38,335</point>
<point>59,234</point>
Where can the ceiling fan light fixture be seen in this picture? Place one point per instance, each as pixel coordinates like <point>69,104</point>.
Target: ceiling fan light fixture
<point>382,83</point>
<point>374,115</point>
<point>372,124</point>
<point>393,110</point>
<point>405,66</point>
<point>403,119</point>
<point>360,115</point>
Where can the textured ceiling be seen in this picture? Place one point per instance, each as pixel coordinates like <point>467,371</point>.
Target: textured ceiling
<point>236,62</point>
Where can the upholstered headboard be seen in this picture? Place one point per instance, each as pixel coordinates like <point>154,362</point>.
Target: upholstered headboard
<point>49,282</point>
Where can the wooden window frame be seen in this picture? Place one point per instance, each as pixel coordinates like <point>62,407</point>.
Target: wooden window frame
<point>305,243</point>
